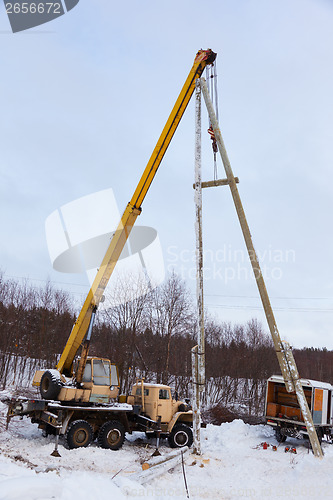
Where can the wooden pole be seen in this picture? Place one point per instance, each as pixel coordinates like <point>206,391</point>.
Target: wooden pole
<point>195,402</point>
<point>199,354</point>
<point>218,182</point>
<point>283,351</point>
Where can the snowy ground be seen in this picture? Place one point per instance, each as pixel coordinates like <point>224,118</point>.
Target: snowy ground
<point>233,466</point>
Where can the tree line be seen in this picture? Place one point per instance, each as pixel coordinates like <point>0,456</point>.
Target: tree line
<point>148,333</point>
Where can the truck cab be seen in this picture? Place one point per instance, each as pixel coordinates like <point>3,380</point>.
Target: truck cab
<point>155,399</point>
<point>157,403</point>
<point>161,414</point>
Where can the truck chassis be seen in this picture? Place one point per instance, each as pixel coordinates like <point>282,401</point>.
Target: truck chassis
<point>82,424</point>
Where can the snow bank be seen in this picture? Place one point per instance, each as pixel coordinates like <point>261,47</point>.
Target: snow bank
<point>233,466</point>
<point>17,484</point>
<point>234,435</point>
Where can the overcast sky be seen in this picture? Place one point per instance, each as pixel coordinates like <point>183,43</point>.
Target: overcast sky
<point>85,97</point>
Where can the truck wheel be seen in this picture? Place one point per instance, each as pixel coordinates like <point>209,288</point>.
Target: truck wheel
<point>181,435</point>
<point>50,385</point>
<point>279,436</point>
<point>111,435</point>
<point>79,434</point>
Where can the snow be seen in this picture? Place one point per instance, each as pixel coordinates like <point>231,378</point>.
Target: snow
<point>106,407</point>
<point>147,384</point>
<point>54,373</point>
<point>52,485</point>
<point>234,465</point>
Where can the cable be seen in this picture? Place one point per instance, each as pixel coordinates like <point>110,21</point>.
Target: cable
<point>45,281</point>
<point>257,308</point>
<point>216,93</point>
<point>256,297</point>
<point>222,306</point>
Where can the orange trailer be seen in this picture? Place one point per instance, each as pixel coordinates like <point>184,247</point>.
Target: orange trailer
<point>283,412</point>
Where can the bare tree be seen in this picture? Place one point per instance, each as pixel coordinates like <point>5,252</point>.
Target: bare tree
<point>33,323</point>
<point>126,311</point>
<point>172,314</point>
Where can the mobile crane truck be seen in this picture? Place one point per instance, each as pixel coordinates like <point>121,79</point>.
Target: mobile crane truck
<point>80,400</point>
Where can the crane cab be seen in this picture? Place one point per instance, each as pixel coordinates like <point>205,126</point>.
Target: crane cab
<point>101,377</point>
<point>100,383</point>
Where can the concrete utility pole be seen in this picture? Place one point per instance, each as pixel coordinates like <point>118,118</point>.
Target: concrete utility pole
<point>198,352</point>
<point>282,349</point>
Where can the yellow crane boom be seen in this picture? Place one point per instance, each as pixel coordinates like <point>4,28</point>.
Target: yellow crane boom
<point>133,209</point>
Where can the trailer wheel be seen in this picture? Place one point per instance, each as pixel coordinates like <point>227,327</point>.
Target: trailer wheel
<point>181,435</point>
<point>50,385</point>
<point>111,435</point>
<point>279,436</point>
<point>79,434</point>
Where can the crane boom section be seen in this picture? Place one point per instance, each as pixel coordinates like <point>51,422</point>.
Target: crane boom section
<point>96,291</point>
<point>203,58</point>
<point>133,209</point>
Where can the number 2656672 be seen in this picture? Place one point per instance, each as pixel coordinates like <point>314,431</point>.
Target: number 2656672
<point>33,8</point>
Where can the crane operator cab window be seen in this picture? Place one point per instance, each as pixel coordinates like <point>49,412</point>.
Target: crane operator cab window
<point>87,372</point>
<point>100,372</point>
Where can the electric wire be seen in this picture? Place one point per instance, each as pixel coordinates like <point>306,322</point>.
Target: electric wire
<point>222,306</point>
<point>258,308</point>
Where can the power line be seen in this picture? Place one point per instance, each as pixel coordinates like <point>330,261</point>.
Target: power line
<point>40,280</point>
<point>257,308</point>
<point>222,306</point>
<point>274,298</point>
<point>46,281</point>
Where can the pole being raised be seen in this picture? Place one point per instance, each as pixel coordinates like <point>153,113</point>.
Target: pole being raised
<point>284,354</point>
<point>198,356</point>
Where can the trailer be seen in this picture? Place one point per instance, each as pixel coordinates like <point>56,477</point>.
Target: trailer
<point>282,410</point>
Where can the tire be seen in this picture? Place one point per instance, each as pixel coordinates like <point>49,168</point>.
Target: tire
<point>111,435</point>
<point>184,407</point>
<point>79,434</point>
<point>279,436</point>
<point>50,385</point>
<point>181,435</point>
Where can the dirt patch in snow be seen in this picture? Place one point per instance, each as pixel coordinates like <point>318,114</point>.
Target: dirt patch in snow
<point>219,414</point>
